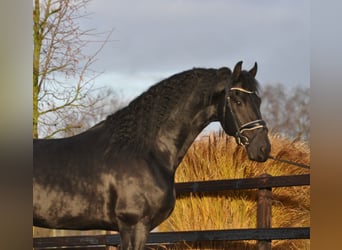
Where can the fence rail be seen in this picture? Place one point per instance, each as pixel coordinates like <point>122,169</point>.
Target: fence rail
<point>264,181</point>
<point>174,237</point>
<point>264,233</point>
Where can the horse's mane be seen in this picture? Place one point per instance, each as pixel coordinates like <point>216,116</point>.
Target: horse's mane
<point>134,125</point>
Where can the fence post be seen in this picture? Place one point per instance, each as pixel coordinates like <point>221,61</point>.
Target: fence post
<point>264,213</point>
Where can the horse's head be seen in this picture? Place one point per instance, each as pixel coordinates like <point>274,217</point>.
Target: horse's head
<point>240,113</point>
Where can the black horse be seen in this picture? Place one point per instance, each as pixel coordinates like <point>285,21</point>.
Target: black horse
<point>119,174</point>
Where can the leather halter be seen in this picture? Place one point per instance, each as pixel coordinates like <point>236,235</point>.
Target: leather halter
<point>256,124</point>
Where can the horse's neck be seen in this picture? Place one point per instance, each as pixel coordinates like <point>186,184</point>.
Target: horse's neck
<point>162,123</point>
<point>177,134</point>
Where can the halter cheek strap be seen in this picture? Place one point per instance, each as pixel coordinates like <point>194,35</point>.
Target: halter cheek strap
<point>256,124</point>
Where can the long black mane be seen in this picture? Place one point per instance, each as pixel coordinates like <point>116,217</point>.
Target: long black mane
<point>135,125</point>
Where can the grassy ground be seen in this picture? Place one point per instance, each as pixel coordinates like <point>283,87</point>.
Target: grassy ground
<point>217,157</point>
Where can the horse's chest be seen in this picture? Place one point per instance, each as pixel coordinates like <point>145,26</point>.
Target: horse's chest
<point>162,201</point>
<point>144,198</point>
<point>162,205</point>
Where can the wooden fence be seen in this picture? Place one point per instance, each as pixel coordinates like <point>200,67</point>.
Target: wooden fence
<point>264,233</point>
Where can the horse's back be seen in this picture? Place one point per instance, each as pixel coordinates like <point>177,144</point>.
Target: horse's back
<point>66,182</point>
<point>65,153</point>
<point>77,186</point>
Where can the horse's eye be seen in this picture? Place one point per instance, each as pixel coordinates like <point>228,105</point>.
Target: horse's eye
<point>238,103</point>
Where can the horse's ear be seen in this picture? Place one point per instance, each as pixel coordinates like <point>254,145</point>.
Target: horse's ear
<point>254,70</point>
<point>237,71</point>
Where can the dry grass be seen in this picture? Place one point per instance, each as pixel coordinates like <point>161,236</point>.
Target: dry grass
<point>217,157</point>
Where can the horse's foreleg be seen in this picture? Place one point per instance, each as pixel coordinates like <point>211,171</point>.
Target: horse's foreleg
<point>133,237</point>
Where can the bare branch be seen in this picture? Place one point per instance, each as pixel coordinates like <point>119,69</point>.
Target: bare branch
<point>63,74</point>
<point>287,111</point>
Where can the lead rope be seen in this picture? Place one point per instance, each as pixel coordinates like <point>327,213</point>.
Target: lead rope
<point>301,165</point>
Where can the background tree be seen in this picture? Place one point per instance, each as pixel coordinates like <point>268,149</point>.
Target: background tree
<point>65,100</point>
<point>94,114</point>
<point>286,110</point>
<point>62,71</point>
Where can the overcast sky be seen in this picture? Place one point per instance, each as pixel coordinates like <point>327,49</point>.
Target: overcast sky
<point>157,38</point>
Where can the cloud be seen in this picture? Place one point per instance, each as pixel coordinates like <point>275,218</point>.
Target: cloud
<point>159,37</point>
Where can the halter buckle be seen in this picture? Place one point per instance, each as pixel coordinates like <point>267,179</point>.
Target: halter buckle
<point>241,139</point>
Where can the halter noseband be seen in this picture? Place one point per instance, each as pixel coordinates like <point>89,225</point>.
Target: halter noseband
<point>239,137</point>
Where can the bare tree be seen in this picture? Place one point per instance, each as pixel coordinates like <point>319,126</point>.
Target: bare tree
<point>94,114</point>
<point>286,110</point>
<point>62,71</point>
<point>65,101</point>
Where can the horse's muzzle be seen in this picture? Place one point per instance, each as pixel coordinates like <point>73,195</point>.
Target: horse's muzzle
<point>259,148</point>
